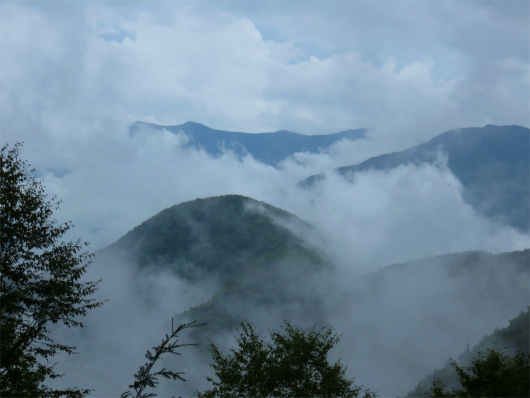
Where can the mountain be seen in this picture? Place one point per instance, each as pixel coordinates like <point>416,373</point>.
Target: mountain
<point>491,162</point>
<point>222,236</point>
<point>515,336</point>
<point>493,284</point>
<point>245,246</point>
<point>269,148</point>
<point>265,272</point>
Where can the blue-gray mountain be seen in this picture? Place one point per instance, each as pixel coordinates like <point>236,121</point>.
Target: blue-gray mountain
<point>491,162</point>
<point>269,148</point>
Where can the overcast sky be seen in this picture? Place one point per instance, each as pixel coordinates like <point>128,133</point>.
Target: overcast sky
<point>74,75</point>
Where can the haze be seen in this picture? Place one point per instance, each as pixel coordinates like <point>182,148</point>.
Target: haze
<point>75,75</point>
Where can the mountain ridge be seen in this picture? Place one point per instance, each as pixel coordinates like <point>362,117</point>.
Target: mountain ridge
<point>491,162</point>
<point>269,147</point>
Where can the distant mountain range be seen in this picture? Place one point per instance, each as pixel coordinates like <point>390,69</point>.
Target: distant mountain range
<point>269,148</point>
<point>492,163</point>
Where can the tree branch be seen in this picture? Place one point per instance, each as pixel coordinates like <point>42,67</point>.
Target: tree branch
<point>145,376</point>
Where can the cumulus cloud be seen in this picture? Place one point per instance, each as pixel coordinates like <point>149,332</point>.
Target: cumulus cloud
<point>183,62</point>
<point>409,212</point>
<point>75,75</point>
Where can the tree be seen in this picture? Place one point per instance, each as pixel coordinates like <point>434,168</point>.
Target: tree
<point>491,374</point>
<point>146,376</point>
<point>40,282</point>
<point>293,364</point>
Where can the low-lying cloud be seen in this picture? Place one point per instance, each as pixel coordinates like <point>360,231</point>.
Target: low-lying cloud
<point>382,217</point>
<point>75,76</point>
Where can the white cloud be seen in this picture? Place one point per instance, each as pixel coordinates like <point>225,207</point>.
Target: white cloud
<point>407,213</point>
<point>213,65</point>
<point>407,70</point>
<point>410,212</point>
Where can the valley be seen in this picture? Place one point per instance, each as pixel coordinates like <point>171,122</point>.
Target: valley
<point>264,198</point>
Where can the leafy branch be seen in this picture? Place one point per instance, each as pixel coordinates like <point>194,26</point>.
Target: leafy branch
<point>146,377</point>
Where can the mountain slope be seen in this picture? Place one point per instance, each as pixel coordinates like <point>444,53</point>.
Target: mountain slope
<point>420,310</point>
<point>492,163</point>
<point>270,148</point>
<point>515,336</point>
<point>218,236</point>
<point>406,319</point>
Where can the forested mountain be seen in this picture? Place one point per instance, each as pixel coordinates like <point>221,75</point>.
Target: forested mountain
<point>246,247</point>
<point>265,272</point>
<point>514,337</point>
<point>270,148</point>
<point>488,274</point>
<point>222,236</point>
<point>492,163</point>
<point>482,284</point>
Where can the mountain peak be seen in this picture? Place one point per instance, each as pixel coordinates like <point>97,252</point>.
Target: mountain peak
<point>192,124</point>
<point>178,236</point>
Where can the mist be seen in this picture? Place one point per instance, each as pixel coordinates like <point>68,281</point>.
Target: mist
<point>410,211</point>
<point>75,75</point>
<point>381,218</point>
<point>412,325</point>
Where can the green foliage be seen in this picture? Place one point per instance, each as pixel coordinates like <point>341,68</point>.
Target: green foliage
<point>514,337</point>
<point>491,374</point>
<point>215,235</point>
<point>237,242</point>
<point>40,282</point>
<point>293,364</point>
<point>147,376</point>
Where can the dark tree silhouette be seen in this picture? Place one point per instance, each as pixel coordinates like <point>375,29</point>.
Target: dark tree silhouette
<point>491,374</point>
<point>293,364</point>
<point>40,282</point>
<point>147,376</point>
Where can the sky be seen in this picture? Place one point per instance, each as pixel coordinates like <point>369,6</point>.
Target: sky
<point>75,74</point>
